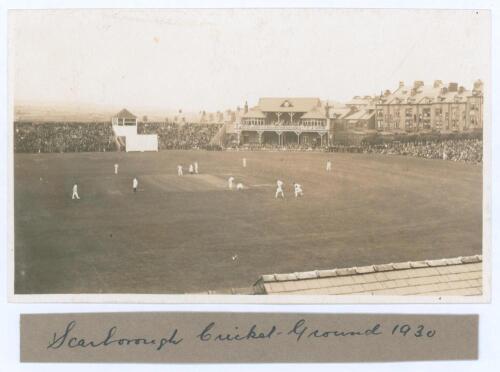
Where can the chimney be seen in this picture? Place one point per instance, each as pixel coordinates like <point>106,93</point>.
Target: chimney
<point>453,87</point>
<point>246,107</point>
<point>327,110</point>
<point>461,89</point>
<point>417,84</point>
<point>401,84</point>
<point>438,83</point>
<point>478,85</point>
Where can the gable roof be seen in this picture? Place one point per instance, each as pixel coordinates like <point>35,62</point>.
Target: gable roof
<point>315,113</point>
<point>403,95</point>
<point>339,112</point>
<point>125,114</point>
<point>362,114</point>
<point>452,276</point>
<point>288,104</point>
<point>254,113</point>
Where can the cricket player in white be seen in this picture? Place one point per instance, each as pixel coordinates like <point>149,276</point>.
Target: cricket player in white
<point>191,169</point>
<point>116,168</point>
<point>328,166</point>
<point>279,189</point>
<point>298,190</point>
<point>179,170</point>
<point>239,186</point>
<point>135,184</point>
<point>230,182</point>
<point>244,162</point>
<point>75,192</point>
<point>196,167</point>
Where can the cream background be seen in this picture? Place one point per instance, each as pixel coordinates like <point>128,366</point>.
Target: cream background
<point>489,324</point>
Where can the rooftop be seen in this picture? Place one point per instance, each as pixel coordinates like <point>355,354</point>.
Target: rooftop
<point>444,277</point>
<point>362,114</point>
<point>288,104</point>
<point>426,94</point>
<point>125,114</point>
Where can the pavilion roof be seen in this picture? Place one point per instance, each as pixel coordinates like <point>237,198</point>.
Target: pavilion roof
<point>125,114</point>
<point>288,104</point>
<point>314,114</point>
<point>254,113</point>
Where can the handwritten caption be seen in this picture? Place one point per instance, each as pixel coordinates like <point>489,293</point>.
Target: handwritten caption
<point>300,331</point>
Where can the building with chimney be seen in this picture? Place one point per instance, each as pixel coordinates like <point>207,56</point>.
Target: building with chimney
<point>285,121</point>
<point>438,107</point>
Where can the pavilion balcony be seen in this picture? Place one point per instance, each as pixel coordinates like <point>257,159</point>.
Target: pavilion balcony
<point>284,127</point>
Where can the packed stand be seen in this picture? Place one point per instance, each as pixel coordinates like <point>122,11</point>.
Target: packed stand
<point>63,137</point>
<point>174,136</point>
<point>468,150</point>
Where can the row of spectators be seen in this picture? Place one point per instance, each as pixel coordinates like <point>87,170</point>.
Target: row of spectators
<point>181,136</point>
<point>469,150</point>
<point>63,137</point>
<point>99,137</point>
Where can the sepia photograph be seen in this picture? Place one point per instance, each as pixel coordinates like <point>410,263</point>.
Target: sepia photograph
<point>317,153</point>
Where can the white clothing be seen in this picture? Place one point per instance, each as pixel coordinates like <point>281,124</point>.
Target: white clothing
<point>298,190</point>
<point>75,192</point>
<point>279,183</point>
<point>328,166</point>
<point>230,183</point>
<point>191,169</point>
<point>244,162</point>
<point>179,170</point>
<point>196,167</point>
<point>239,186</point>
<point>135,183</point>
<point>116,168</point>
<point>279,191</point>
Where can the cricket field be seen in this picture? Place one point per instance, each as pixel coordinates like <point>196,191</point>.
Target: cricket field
<point>191,234</point>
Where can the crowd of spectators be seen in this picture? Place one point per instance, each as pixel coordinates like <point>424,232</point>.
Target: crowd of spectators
<point>468,150</point>
<point>63,137</point>
<point>99,137</point>
<point>174,136</point>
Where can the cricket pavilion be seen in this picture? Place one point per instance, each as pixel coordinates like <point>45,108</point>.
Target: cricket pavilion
<point>285,122</point>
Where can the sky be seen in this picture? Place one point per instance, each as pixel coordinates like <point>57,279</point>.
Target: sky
<point>218,59</point>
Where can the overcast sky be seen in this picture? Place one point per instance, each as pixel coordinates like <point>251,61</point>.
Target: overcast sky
<point>217,59</point>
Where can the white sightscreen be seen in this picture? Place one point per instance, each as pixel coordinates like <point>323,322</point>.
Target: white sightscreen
<point>142,142</point>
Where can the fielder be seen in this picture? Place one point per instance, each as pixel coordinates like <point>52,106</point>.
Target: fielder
<point>196,167</point>
<point>135,184</point>
<point>179,170</point>
<point>75,192</point>
<point>328,166</point>
<point>239,186</point>
<point>116,168</point>
<point>191,169</point>
<point>279,189</point>
<point>230,182</point>
<point>298,190</point>
<point>244,162</point>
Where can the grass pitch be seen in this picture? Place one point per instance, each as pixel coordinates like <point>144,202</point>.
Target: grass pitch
<point>191,234</point>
